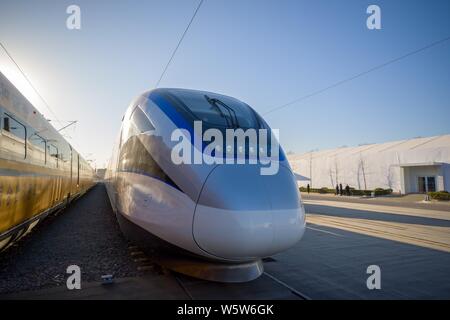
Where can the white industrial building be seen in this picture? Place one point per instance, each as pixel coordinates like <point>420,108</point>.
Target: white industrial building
<point>407,166</point>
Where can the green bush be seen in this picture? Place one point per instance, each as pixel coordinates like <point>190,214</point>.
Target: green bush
<point>440,195</point>
<point>315,190</point>
<point>323,190</point>
<point>353,191</point>
<point>382,192</point>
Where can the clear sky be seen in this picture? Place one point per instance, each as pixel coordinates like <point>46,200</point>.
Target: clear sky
<point>264,52</point>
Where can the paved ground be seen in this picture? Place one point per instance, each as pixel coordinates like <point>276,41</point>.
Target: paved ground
<point>86,234</point>
<point>426,228</point>
<point>330,262</point>
<point>407,201</point>
<point>410,245</point>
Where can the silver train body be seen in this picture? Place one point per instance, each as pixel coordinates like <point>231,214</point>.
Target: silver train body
<point>222,213</point>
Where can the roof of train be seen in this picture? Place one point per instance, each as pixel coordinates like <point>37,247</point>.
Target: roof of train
<point>16,103</point>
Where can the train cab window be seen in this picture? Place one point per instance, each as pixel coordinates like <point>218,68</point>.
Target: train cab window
<point>141,121</point>
<point>16,138</point>
<point>220,112</point>
<point>216,110</point>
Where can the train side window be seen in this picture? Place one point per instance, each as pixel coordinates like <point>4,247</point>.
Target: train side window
<point>53,153</point>
<point>64,154</point>
<point>127,130</point>
<point>6,123</point>
<point>138,123</point>
<point>37,141</point>
<point>141,121</point>
<point>14,127</point>
<point>120,138</point>
<point>40,144</point>
<point>18,134</point>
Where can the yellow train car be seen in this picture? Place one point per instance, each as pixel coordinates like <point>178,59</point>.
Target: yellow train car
<point>40,172</point>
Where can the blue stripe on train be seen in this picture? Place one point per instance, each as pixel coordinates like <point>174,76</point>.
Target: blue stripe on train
<point>181,123</point>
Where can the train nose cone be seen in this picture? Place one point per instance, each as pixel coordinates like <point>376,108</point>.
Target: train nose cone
<point>243,215</point>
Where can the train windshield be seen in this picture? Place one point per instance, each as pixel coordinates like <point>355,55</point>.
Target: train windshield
<point>217,110</point>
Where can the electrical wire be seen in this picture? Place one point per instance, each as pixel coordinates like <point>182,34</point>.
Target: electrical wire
<point>178,45</point>
<point>30,83</point>
<point>341,82</point>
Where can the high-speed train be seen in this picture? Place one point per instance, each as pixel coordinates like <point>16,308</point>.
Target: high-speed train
<point>225,217</point>
<point>39,170</point>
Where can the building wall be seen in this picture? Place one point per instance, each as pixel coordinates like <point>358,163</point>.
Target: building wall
<point>446,175</point>
<point>375,166</point>
<point>353,169</point>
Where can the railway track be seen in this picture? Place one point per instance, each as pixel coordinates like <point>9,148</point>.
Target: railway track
<point>293,290</point>
<point>267,286</point>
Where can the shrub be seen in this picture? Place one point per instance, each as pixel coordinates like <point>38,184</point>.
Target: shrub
<point>323,190</point>
<point>378,192</point>
<point>353,191</point>
<point>315,190</point>
<point>382,192</point>
<point>440,195</point>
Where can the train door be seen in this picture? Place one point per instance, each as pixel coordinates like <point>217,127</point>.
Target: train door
<point>1,129</point>
<point>78,171</point>
<point>71,172</point>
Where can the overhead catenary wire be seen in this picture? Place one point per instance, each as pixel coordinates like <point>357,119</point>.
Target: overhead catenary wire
<point>36,91</point>
<point>68,125</point>
<point>30,83</point>
<point>179,43</point>
<point>358,75</point>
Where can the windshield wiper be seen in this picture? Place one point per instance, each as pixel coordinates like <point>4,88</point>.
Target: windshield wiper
<point>215,102</point>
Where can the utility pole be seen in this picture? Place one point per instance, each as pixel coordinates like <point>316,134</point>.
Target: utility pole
<point>336,169</point>
<point>310,169</point>
<point>363,172</point>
